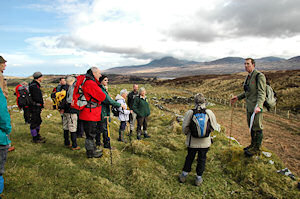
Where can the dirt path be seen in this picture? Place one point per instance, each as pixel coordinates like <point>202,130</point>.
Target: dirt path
<point>280,135</point>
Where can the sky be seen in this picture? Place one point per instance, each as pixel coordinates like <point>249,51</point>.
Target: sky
<point>69,36</point>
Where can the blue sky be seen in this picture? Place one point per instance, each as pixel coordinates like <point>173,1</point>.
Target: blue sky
<point>69,36</point>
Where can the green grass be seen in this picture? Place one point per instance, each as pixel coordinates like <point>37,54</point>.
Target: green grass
<point>148,169</point>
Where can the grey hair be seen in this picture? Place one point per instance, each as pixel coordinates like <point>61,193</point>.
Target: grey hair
<point>94,69</point>
<point>70,79</point>
<point>141,90</point>
<point>123,91</point>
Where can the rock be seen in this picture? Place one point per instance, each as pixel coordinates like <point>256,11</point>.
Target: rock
<point>267,154</point>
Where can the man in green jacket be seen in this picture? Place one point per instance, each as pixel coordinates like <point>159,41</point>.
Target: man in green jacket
<point>255,95</point>
<point>105,113</point>
<point>142,109</point>
<point>5,129</point>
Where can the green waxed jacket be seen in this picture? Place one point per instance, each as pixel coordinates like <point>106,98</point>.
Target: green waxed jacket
<point>105,111</point>
<point>141,106</point>
<point>255,94</point>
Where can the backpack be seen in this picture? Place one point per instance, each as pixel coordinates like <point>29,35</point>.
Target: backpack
<point>115,110</point>
<point>78,99</point>
<point>24,98</point>
<point>200,126</point>
<point>271,99</point>
<point>60,99</point>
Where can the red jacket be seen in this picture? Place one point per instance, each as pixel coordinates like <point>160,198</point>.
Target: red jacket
<point>91,89</point>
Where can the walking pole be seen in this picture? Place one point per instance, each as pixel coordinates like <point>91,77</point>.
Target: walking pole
<point>231,119</point>
<point>108,135</point>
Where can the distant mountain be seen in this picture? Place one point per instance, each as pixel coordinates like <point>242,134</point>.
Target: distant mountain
<point>227,60</point>
<point>294,59</point>
<point>169,67</point>
<point>170,61</point>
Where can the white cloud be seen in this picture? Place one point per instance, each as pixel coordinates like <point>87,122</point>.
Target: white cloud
<point>117,32</point>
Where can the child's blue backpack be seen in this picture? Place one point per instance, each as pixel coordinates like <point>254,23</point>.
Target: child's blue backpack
<point>200,126</point>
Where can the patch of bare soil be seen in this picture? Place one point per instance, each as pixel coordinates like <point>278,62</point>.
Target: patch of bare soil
<point>281,136</point>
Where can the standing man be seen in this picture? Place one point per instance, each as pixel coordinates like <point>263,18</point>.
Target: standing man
<point>36,107</point>
<point>3,86</point>
<point>91,113</point>
<point>130,99</point>
<point>5,128</point>
<point>255,95</point>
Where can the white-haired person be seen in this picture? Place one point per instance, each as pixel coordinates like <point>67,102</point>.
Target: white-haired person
<point>123,113</point>
<point>197,125</point>
<point>142,109</point>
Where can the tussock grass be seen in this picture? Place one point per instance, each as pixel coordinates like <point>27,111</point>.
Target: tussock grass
<point>147,169</point>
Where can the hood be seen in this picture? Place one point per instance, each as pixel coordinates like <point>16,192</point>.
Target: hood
<point>119,97</point>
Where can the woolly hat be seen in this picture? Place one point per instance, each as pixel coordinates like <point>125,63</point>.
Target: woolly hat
<point>102,78</point>
<point>2,60</point>
<point>199,99</point>
<point>37,75</point>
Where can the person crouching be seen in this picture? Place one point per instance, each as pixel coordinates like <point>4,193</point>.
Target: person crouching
<point>200,121</point>
<point>123,113</point>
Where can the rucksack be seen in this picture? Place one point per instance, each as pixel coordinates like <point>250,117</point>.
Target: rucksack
<point>271,99</point>
<point>60,99</point>
<point>200,126</point>
<point>78,100</point>
<point>24,98</point>
<point>115,110</point>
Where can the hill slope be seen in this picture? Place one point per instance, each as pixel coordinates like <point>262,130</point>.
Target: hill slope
<point>147,169</point>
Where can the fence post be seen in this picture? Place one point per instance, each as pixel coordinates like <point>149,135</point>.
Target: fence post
<point>243,105</point>
<point>275,110</point>
<point>288,114</point>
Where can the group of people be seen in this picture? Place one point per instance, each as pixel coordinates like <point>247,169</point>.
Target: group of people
<point>93,119</point>
<point>91,112</point>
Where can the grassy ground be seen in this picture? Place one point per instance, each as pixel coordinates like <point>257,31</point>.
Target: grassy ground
<point>147,169</point>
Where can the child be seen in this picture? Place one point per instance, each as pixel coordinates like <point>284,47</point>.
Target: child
<point>123,113</point>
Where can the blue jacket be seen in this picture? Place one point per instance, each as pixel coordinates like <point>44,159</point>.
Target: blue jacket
<point>5,126</point>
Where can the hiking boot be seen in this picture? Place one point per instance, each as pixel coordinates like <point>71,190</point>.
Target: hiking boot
<point>138,137</point>
<point>182,178</point>
<point>106,145</point>
<point>251,152</point>
<point>147,136</point>
<point>12,148</point>
<point>198,181</point>
<point>248,147</point>
<point>68,146</point>
<point>253,137</point>
<point>94,154</point>
<point>39,141</point>
<point>77,148</point>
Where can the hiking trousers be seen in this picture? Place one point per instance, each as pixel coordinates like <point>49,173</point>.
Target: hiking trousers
<point>36,119</point>
<point>3,156</point>
<point>142,122</point>
<point>201,160</point>
<point>90,129</point>
<point>26,114</point>
<point>132,120</point>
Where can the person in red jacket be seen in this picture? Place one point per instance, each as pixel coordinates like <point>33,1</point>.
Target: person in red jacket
<point>23,87</point>
<point>91,113</point>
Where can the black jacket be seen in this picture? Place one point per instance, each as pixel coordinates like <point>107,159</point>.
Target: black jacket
<point>130,99</point>
<point>36,93</point>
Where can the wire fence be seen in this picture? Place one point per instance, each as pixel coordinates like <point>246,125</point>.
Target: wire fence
<point>287,114</point>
